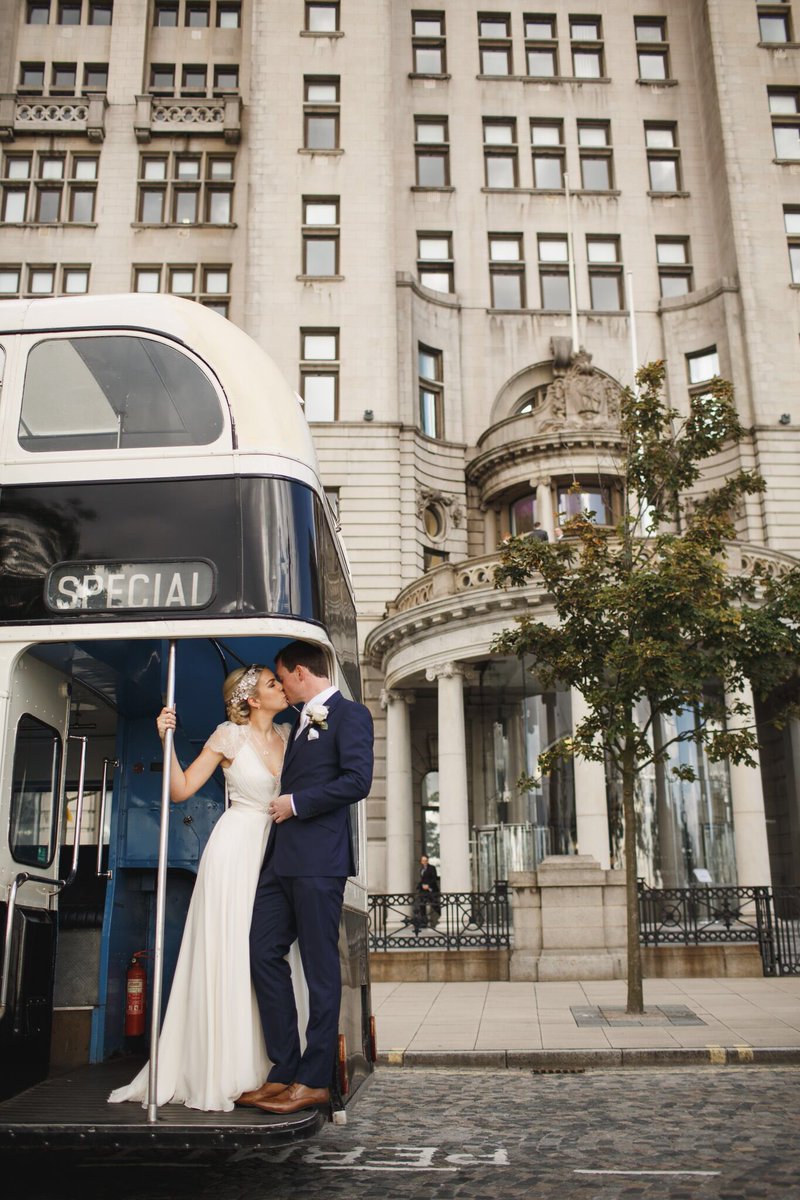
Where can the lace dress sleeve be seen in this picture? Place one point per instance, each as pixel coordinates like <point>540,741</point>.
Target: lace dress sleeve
<point>227,739</point>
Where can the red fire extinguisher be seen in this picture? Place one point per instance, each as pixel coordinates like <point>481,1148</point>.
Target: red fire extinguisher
<point>135,996</point>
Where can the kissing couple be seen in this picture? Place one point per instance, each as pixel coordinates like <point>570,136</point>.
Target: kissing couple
<point>253,1013</point>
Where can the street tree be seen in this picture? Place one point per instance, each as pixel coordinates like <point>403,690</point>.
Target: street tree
<point>649,615</point>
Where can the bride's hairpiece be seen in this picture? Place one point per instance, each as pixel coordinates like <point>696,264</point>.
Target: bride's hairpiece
<point>245,687</point>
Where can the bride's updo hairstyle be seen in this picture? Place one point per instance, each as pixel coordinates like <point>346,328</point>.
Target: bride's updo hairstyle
<point>237,690</point>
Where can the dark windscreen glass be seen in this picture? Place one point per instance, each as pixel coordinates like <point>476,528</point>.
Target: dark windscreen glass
<point>115,392</point>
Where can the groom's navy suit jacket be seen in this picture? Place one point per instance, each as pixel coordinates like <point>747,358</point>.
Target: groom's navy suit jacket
<point>324,776</point>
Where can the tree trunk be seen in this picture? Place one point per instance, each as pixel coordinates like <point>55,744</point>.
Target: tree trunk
<point>635,994</point>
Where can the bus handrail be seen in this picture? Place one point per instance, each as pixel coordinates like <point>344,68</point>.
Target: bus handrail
<point>25,877</point>
<point>101,820</point>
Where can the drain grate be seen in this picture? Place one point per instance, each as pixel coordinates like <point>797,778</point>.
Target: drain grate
<point>558,1070</point>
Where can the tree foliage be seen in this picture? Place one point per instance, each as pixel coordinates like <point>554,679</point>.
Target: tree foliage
<point>651,611</point>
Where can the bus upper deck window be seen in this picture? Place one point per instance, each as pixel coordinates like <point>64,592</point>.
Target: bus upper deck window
<point>115,392</point>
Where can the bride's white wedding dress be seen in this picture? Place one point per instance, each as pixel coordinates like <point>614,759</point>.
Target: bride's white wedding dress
<point>211,1047</point>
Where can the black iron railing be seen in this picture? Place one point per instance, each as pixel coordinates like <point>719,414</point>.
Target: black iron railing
<point>702,915</point>
<point>440,921</point>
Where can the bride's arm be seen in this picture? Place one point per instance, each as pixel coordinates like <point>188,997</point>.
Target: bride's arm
<point>183,784</point>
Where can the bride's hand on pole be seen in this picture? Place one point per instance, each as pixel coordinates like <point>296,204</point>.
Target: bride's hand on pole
<point>164,721</point>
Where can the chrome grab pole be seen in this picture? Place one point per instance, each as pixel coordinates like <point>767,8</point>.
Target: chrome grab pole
<point>101,820</point>
<point>161,900</point>
<point>76,845</point>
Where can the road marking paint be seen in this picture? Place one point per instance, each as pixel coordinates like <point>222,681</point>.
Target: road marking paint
<point>581,1171</point>
<point>745,1053</point>
<point>717,1055</point>
<point>350,1167</point>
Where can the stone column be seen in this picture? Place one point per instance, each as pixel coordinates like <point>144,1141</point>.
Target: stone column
<point>749,819</point>
<point>399,792</point>
<point>544,507</point>
<point>454,872</point>
<point>491,534</point>
<point>591,801</point>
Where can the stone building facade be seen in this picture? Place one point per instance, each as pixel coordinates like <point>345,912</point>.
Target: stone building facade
<point>384,194</point>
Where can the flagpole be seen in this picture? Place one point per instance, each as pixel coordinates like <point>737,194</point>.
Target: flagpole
<point>573,299</point>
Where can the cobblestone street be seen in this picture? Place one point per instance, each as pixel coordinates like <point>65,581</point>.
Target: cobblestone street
<point>682,1133</point>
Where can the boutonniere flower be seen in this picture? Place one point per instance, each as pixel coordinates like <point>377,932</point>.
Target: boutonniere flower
<point>317,717</point>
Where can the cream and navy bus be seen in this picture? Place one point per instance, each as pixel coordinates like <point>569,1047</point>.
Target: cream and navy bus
<point>162,521</point>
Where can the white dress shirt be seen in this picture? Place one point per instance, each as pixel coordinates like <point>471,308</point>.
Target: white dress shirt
<point>320,698</point>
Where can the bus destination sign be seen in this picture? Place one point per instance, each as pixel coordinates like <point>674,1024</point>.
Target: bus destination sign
<point>74,587</point>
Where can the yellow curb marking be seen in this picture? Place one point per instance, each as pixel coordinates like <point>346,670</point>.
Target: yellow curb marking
<point>716,1054</point>
<point>395,1058</point>
<point>745,1053</point>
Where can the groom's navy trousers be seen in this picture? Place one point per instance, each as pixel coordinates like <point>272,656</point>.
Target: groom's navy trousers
<point>301,888</point>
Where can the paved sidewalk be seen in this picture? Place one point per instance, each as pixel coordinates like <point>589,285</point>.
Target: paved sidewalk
<point>557,1026</point>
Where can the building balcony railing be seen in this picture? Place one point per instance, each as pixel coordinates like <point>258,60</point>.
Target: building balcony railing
<point>68,115</point>
<point>160,115</point>
<point>441,920</point>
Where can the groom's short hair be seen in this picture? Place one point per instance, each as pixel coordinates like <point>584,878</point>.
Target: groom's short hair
<point>304,654</point>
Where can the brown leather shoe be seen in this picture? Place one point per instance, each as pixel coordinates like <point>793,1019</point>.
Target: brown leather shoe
<point>267,1091</point>
<point>296,1097</point>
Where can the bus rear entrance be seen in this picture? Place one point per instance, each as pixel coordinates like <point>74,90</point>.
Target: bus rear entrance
<point>81,780</point>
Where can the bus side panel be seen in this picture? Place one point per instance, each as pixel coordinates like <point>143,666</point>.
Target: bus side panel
<point>26,1028</point>
<point>356,1003</point>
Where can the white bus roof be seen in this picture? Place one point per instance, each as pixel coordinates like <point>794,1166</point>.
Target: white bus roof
<point>266,411</point>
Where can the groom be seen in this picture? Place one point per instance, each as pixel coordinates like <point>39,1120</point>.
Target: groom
<point>327,767</point>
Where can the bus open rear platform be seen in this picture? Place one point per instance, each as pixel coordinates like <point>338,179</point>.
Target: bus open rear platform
<point>70,1113</point>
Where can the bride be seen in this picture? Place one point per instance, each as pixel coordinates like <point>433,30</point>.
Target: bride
<point>211,1047</point>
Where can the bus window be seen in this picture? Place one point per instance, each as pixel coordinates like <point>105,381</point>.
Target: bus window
<point>115,392</point>
<point>34,793</point>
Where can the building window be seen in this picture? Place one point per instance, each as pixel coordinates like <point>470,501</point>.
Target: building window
<point>435,261</point>
<point>226,78</point>
<point>585,499</point>
<point>9,280</point>
<point>322,17</point>
<point>554,271</point>
<point>594,143</point>
<point>197,14</point>
<point>193,79</point>
<point>586,35</point>
<point>63,78</point>
<point>774,23</point>
<point>229,14</point>
<point>41,280</point>
<point>162,79</point>
<point>702,366</point>
<point>522,515</point>
<point>165,14</point>
<point>192,188</point>
<point>674,266</point>
<point>500,152</point>
<point>319,373</point>
<point>433,557</point>
<point>431,152</point>
<point>69,12</point>
<point>74,281</point>
<point>784,107</point>
<point>95,77</point>
<point>37,12</point>
<point>547,148</point>
<point>605,273</point>
<point>507,270</point>
<point>100,12</point>
<point>209,284</point>
<point>791,221</point>
<point>494,43</point>
<point>652,48</point>
<point>321,113</point>
<point>541,46</point>
<point>428,45</point>
<point>39,197</point>
<point>663,157</point>
<point>431,391</point>
<point>321,235</point>
<point>31,77</point>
